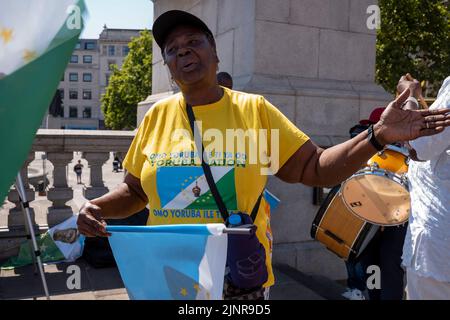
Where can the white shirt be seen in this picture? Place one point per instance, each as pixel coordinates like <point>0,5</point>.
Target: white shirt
<point>427,244</point>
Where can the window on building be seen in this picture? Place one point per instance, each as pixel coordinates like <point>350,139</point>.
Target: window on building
<point>111,50</point>
<point>73,112</point>
<point>61,93</point>
<point>104,50</point>
<point>107,76</point>
<point>110,64</point>
<point>90,45</point>
<point>125,51</point>
<point>87,113</point>
<point>78,46</point>
<point>87,59</point>
<point>87,77</point>
<point>74,58</point>
<point>73,77</point>
<point>87,94</point>
<point>73,95</point>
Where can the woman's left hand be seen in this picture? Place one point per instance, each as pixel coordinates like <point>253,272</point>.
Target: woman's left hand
<point>398,125</point>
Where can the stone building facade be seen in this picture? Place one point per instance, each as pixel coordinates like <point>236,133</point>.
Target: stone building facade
<point>86,78</point>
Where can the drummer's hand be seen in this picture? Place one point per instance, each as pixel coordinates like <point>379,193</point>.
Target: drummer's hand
<point>397,124</point>
<point>90,222</point>
<point>408,82</point>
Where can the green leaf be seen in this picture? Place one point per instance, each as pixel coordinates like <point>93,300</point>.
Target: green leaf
<point>415,38</point>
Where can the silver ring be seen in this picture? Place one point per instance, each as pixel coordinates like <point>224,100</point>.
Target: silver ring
<point>428,125</point>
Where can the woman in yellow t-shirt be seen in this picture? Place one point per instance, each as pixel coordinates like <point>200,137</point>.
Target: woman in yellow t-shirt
<point>245,139</point>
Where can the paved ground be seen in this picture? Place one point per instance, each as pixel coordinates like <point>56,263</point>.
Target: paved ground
<point>106,284</point>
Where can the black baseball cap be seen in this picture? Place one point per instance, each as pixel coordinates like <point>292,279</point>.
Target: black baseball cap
<point>169,20</point>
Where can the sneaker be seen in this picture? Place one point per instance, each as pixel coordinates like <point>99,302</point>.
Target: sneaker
<point>347,293</point>
<point>353,294</point>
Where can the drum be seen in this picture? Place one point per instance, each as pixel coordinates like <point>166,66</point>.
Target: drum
<point>343,233</point>
<point>379,193</point>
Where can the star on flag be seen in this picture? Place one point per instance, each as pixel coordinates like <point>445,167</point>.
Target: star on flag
<point>29,55</point>
<point>6,34</point>
<point>184,292</point>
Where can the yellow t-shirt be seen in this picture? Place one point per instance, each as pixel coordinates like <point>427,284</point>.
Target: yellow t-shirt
<point>164,157</point>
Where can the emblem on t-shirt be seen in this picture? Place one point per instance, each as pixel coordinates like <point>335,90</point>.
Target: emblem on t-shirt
<point>184,191</point>
<point>196,190</point>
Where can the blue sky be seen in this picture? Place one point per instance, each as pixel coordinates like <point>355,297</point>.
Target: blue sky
<point>118,14</point>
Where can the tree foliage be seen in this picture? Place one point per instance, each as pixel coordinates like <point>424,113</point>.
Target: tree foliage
<point>414,37</point>
<point>129,85</point>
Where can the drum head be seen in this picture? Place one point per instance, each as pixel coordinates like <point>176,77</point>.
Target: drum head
<point>377,199</point>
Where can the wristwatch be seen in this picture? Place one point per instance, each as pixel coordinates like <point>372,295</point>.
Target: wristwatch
<point>373,140</point>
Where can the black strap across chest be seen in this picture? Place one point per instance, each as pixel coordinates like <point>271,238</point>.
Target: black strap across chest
<point>208,174</point>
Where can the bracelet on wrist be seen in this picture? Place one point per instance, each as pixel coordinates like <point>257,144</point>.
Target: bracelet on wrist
<point>373,140</point>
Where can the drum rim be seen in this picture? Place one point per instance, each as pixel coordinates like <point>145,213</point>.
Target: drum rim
<point>397,149</point>
<point>400,179</point>
<point>365,230</point>
<point>377,173</point>
<point>323,208</point>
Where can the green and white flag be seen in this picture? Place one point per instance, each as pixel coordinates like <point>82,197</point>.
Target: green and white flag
<point>187,187</point>
<point>37,38</point>
<point>62,243</point>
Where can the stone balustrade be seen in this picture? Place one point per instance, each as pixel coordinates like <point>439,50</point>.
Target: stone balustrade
<point>59,147</point>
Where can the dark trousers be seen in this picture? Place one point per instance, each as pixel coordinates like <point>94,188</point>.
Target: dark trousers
<point>356,275</point>
<point>385,251</point>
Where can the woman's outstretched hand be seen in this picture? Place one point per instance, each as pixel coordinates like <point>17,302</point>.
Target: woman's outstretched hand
<point>397,124</point>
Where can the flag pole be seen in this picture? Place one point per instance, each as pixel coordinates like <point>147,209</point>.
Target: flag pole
<point>240,231</point>
<point>35,250</point>
<point>30,242</point>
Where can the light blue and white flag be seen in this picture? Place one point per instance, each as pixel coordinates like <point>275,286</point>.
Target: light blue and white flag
<point>172,262</point>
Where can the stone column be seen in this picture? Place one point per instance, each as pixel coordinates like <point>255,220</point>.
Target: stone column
<point>16,217</point>
<point>60,193</point>
<point>96,187</point>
